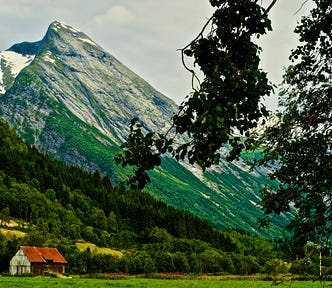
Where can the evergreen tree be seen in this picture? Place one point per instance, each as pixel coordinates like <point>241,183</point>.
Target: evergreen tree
<point>4,216</point>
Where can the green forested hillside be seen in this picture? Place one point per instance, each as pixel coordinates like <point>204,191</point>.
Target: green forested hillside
<point>58,205</point>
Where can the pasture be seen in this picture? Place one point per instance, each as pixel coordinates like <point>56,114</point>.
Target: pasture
<point>29,282</point>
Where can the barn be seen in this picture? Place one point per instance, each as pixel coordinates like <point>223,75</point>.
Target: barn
<point>37,260</point>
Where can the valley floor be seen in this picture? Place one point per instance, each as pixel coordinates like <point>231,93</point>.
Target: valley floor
<point>205,282</point>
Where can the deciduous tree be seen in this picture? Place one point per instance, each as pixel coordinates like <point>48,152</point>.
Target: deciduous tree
<point>225,103</point>
<point>298,144</point>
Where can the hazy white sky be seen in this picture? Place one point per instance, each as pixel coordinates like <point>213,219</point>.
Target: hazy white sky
<point>145,34</point>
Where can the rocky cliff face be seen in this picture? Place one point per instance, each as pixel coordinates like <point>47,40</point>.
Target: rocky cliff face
<point>70,69</point>
<point>72,79</point>
<point>74,100</point>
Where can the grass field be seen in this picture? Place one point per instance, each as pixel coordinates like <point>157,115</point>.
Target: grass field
<point>82,246</point>
<point>11,233</point>
<point>21,282</point>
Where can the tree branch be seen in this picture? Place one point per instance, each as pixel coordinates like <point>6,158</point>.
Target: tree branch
<point>270,7</point>
<point>184,48</point>
<point>298,10</point>
<point>193,74</point>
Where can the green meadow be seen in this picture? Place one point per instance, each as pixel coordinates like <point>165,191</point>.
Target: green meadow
<point>21,282</point>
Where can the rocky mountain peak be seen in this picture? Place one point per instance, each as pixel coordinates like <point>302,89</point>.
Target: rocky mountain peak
<point>58,38</point>
<point>60,26</point>
<point>73,71</point>
<point>74,100</point>
<point>58,30</point>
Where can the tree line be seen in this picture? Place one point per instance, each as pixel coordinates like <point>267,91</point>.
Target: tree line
<point>57,204</point>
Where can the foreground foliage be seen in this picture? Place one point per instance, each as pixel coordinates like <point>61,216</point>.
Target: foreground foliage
<point>224,103</point>
<point>298,143</point>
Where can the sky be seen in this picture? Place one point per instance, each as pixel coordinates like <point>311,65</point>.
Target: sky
<point>145,35</point>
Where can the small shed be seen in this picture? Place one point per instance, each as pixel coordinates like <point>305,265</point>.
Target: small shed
<point>37,260</point>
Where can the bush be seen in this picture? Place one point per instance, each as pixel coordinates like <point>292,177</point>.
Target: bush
<point>275,267</point>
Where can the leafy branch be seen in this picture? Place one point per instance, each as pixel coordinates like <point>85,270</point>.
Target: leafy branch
<point>226,103</point>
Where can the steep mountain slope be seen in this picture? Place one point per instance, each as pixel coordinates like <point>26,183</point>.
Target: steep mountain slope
<point>73,81</point>
<point>75,101</point>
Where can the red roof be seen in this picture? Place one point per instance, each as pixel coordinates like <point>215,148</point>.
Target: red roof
<point>40,255</point>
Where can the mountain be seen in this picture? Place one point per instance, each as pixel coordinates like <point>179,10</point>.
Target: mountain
<point>74,101</point>
<point>73,80</point>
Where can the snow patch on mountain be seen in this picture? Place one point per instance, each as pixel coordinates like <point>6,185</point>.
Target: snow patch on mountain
<point>69,27</point>
<point>59,25</point>
<point>13,63</point>
<point>2,87</point>
<point>255,204</point>
<point>205,196</point>
<point>48,57</point>
<point>87,41</point>
<point>16,61</point>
